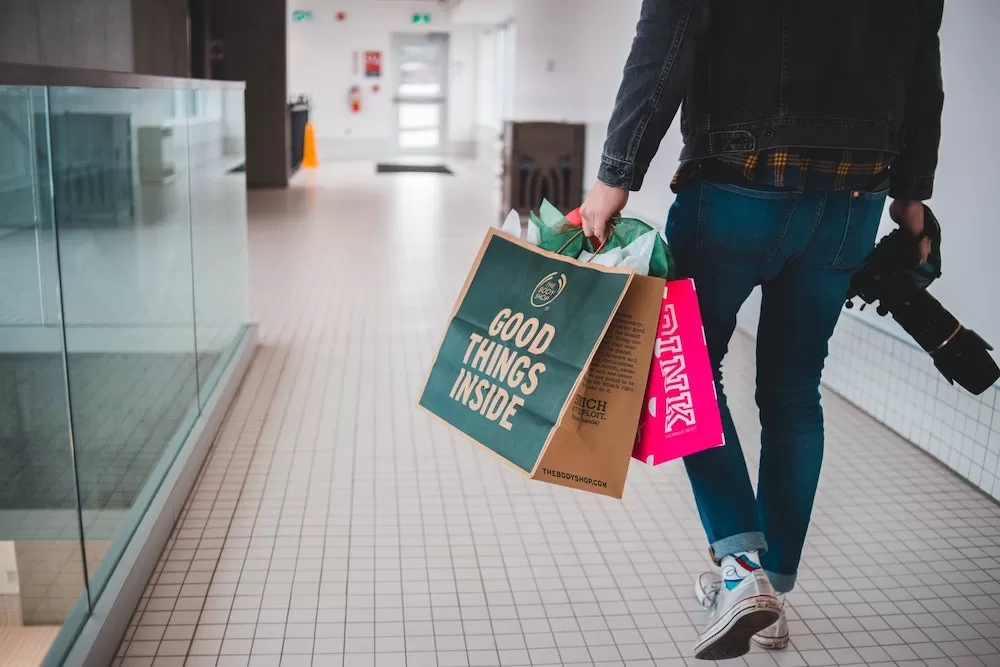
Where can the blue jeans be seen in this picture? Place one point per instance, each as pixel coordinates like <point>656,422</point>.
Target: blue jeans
<point>801,249</point>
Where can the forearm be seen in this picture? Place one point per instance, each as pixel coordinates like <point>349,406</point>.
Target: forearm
<point>912,171</point>
<point>654,83</point>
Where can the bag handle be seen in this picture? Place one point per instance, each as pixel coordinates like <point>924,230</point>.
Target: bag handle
<point>579,233</point>
<point>576,220</point>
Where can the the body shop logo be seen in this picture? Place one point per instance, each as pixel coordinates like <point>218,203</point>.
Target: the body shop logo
<point>548,289</point>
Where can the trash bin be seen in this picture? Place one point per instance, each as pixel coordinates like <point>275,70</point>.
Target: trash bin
<point>298,116</point>
<point>542,161</point>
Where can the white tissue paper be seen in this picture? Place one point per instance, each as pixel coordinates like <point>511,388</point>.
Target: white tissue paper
<point>639,253</point>
<point>610,257</point>
<point>635,255</point>
<point>512,224</point>
<point>534,234</point>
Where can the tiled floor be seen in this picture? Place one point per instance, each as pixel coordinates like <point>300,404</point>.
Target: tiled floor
<point>334,524</point>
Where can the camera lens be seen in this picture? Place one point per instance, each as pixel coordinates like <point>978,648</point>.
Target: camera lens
<point>967,361</point>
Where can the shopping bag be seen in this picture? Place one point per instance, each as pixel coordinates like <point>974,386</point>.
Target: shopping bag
<point>681,412</point>
<point>544,362</point>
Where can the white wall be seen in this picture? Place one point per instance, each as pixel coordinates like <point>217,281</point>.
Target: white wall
<point>569,58</point>
<point>496,52</point>
<point>483,12</point>
<point>487,109</point>
<point>320,65</point>
<point>495,56</point>
<point>462,90</point>
<point>550,64</point>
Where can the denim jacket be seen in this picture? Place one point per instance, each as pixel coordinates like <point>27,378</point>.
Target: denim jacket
<point>756,75</point>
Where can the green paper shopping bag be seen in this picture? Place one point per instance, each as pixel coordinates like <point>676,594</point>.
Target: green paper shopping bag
<point>544,362</point>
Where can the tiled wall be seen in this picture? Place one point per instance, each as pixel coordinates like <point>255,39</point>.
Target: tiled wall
<point>10,610</point>
<point>896,383</point>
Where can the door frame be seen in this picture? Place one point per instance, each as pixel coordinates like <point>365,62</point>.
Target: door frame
<point>398,40</point>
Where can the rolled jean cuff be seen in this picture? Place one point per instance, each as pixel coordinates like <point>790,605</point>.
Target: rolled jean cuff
<point>735,544</point>
<point>783,583</point>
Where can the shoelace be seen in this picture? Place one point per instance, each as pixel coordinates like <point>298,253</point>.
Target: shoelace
<point>712,594</point>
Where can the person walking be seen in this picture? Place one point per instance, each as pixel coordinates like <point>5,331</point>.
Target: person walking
<point>799,119</point>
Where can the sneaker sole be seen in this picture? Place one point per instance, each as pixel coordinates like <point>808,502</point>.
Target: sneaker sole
<point>730,636</point>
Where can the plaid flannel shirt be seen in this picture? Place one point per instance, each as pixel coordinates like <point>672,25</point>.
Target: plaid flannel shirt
<point>788,168</point>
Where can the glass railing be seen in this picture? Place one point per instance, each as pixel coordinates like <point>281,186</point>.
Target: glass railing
<point>123,294</point>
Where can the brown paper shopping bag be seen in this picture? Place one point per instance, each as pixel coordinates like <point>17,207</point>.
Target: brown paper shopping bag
<point>544,362</point>
<point>590,449</point>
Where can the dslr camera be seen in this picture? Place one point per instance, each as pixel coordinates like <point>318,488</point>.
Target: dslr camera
<point>893,276</point>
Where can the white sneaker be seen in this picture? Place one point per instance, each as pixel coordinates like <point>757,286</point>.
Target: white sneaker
<point>774,637</point>
<point>735,616</point>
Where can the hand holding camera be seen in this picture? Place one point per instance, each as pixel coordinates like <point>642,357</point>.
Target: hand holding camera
<point>897,274</point>
<point>909,215</point>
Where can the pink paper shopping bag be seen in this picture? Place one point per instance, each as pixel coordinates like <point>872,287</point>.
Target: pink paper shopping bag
<point>681,412</point>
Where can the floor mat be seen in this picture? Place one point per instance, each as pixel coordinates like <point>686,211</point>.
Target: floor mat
<point>414,169</point>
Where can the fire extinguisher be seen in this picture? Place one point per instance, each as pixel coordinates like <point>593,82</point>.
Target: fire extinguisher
<point>354,99</point>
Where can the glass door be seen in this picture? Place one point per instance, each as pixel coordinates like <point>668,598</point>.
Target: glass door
<point>421,93</point>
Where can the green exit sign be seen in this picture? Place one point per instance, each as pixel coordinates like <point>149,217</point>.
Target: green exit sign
<point>301,15</point>
<point>421,18</point>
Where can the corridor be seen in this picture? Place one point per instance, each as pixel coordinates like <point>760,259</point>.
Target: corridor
<point>335,524</point>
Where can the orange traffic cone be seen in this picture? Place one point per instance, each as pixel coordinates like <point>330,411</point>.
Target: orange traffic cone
<point>309,159</point>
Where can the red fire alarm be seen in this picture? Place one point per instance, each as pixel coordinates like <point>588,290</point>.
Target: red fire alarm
<point>373,64</point>
<point>341,16</point>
